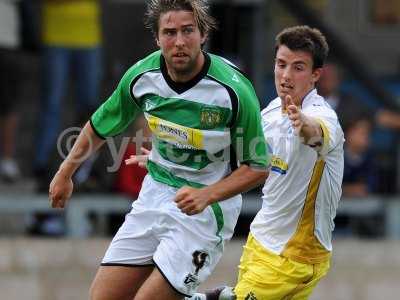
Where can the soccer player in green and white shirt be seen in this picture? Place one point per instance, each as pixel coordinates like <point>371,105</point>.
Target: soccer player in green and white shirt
<point>208,146</point>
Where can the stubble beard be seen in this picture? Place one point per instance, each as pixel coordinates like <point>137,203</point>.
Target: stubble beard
<point>185,69</point>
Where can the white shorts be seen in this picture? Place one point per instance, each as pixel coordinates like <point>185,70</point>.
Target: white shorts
<point>185,249</point>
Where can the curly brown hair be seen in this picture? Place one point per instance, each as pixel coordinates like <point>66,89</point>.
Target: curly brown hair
<point>304,38</point>
<point>200,9</point>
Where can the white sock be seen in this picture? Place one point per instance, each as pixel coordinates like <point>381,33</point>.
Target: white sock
<point>227,294</point>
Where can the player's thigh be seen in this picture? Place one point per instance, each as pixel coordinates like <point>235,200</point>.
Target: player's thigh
<point>260,274</point>
<point>118,282</point>
<point>320,270</point>
<point>157,287</point>
<point>191,246</point>
<point>188,251</point>
<point>266,275</point>
<point>260,285</point>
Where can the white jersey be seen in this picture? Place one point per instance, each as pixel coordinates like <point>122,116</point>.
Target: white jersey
<point>301,194</point>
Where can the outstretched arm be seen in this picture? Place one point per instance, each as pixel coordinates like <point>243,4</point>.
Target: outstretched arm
<point>306,127</point>
<point>61,186</point>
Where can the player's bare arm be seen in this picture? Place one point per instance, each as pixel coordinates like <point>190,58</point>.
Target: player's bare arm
<point>61,186</point>
<point>193,201</point>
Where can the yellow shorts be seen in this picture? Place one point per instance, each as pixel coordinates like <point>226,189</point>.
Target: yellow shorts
<point>264,275</point>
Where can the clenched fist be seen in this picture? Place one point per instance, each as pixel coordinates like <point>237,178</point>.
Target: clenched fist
<point>192,201</point>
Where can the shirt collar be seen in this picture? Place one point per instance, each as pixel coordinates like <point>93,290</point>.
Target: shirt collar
<point>307,98</point>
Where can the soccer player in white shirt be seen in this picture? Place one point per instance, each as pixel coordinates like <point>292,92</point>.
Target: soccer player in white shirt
<point>289,245</point>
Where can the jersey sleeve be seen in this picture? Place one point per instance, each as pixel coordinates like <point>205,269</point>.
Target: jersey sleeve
<point>115,114</point>
<point>331,129</point>
<point>247,135</point>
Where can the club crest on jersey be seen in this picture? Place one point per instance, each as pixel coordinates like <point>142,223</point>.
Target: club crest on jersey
<point>210,118</point>
<point>200,259</point>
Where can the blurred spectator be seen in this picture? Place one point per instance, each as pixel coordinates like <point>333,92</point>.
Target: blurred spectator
<point>347,105</point>
<point>71,46</point>
<point>384,122</point>
<point>71,36</point>
<point>10,79</point>
<point>359,178</point>
<point>385,12</point>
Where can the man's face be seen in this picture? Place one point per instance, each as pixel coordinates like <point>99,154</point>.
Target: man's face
<point>357,137</point>
<point>329,82</point>
<point>180,41</point>
<point>294,74</point>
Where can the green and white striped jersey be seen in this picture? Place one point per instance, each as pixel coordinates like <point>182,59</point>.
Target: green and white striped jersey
<point>201,129</point>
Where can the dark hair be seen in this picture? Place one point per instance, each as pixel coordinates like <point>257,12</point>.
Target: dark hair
<point>357,118</point>
<point>200,9</point>
<point>304,38</point>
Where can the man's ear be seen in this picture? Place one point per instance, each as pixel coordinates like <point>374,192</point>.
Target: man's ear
<point>158,42</point>
<point>203,38</point>
<point>316,74</point>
